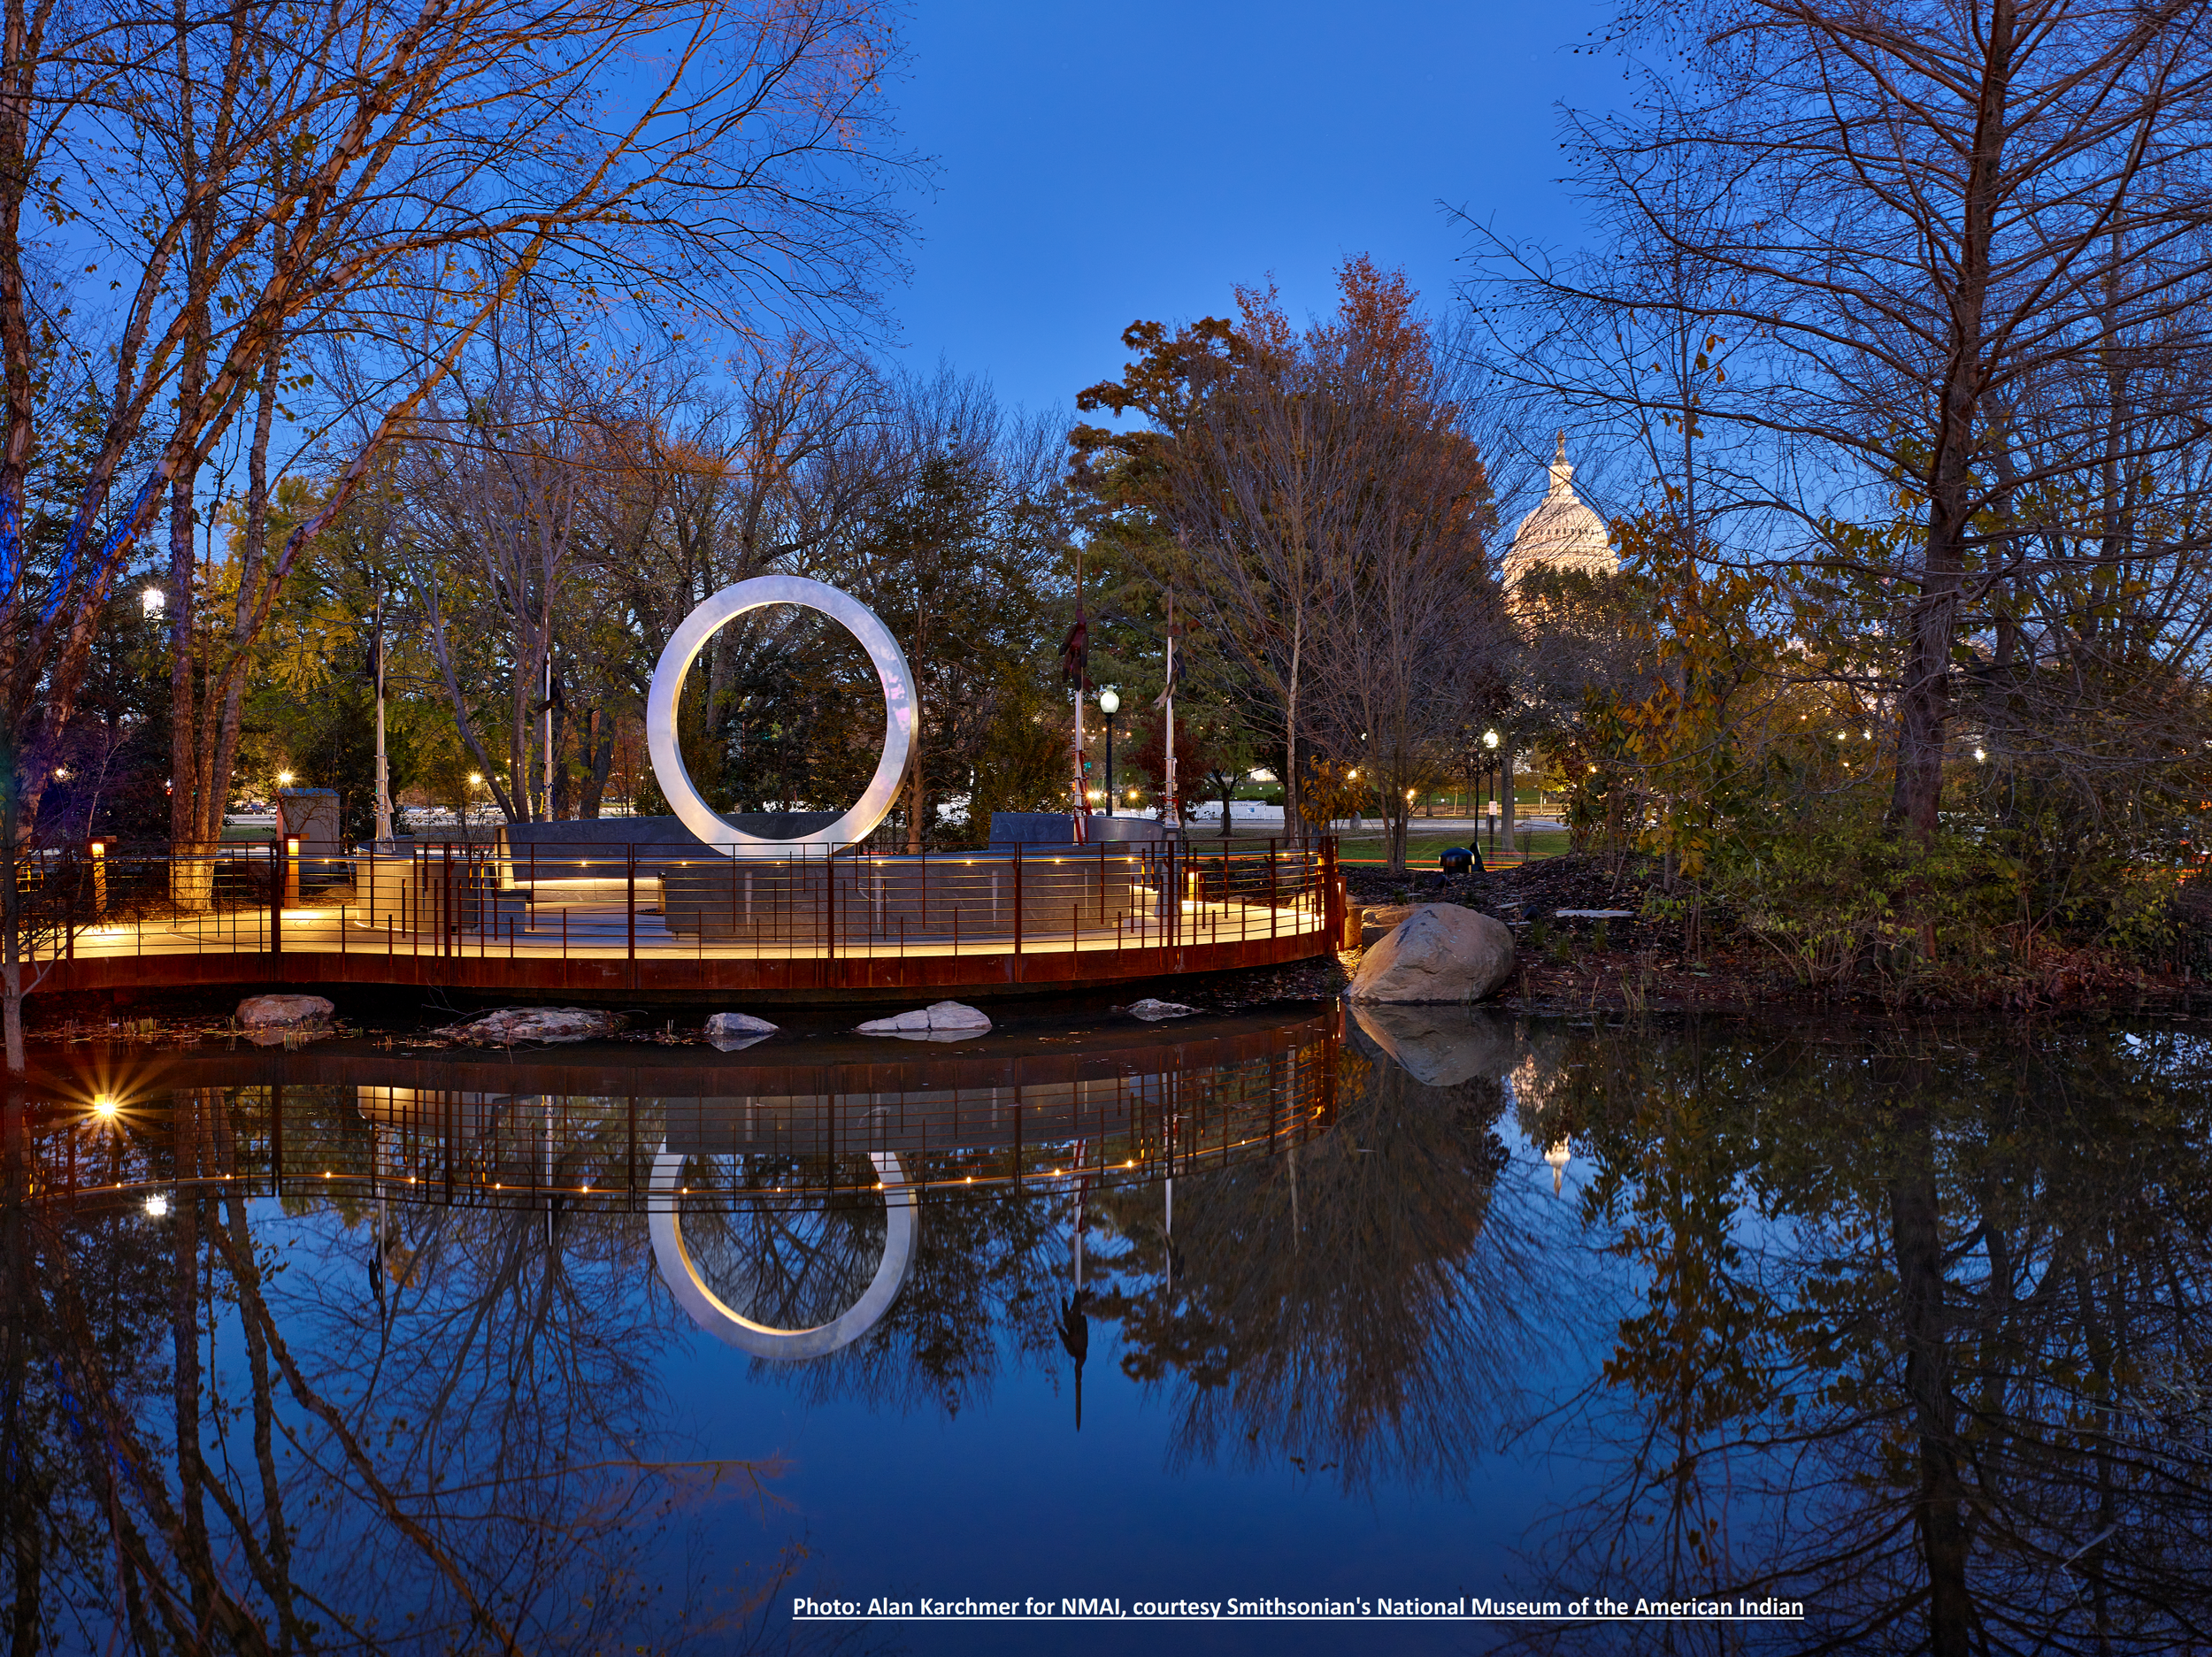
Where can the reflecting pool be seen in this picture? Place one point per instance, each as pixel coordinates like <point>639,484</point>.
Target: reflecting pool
<point>1281,1332</point>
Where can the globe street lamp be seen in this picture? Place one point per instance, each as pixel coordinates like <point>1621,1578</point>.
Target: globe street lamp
<point>1109,704</point>
<point>1490,745</point>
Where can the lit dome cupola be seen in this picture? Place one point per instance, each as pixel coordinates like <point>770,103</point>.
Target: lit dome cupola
<point>1562,532</point>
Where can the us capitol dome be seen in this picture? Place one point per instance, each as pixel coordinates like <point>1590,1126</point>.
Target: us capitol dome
<point>1562,532</point>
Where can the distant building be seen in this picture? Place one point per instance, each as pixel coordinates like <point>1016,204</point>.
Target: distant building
<point>1562,532</point>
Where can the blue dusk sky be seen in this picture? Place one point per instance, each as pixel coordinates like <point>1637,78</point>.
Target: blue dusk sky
<point>1096,165</point>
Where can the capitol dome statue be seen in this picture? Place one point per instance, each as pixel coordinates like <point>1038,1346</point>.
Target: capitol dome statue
<point>1562,532</point>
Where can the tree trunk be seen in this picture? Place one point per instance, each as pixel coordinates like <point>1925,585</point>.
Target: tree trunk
<point>598,762</point>
<point>11,918</point>
<point>1916,1231</point>
<point>192,867</point>
<point>1924,693</point>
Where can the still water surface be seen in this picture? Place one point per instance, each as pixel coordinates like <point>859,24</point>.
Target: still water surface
<point>1899,1334</point>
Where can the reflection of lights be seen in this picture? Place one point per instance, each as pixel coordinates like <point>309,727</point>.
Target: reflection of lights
<point>157,1207</point>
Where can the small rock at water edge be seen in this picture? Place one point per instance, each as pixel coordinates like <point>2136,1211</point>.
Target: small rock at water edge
<point>1378,919</point>
<point>946,1021</point>
<point>513,1025</point>
<point>1439,953</point>
<point>1152,1011</point>
<point>283,1012</point>
<point>730,1032</point>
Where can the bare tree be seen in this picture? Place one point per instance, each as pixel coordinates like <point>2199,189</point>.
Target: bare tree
<point>391,181</point>
<point>1958,252</point>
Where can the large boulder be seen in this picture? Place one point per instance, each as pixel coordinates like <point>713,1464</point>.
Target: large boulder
<point>284,1012</point>
<point>1440,1047</point>
<point>513,1025</point>
<point>945,1021</point>
<point>1439,953</point>
<point>732,1032</point>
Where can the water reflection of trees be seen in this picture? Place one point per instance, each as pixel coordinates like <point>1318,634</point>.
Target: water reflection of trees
<point>1922,1335</point>
<point>409,1427</point>
<point>1356,1306</point>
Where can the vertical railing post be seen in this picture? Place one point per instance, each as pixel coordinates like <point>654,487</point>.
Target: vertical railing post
<point>1331,895</point>
<point>1017,901</point>
<point>632,910</point>
<point>276,896</point>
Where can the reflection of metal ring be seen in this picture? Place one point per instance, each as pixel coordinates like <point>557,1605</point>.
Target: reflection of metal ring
<point>707,1309</point>
<point>668,683</point>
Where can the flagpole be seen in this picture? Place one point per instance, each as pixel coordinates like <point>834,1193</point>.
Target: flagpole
<point>549,731</point>
<point>383,772</point>
<point>1075,663</point>
<point>1171,814</point>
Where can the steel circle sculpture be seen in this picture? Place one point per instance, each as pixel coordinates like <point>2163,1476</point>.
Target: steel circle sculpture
<point>668,682</point>
<point>681,1273</point>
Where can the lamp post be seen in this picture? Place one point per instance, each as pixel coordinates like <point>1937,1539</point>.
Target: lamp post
<point>1490,745</point>
<point>1109,704</point>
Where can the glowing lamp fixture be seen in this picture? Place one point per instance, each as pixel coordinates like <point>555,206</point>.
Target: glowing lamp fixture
<point>1489,738</point>
<point>1110,701</point>
<point>157,1207</point>
<point>284,779</point>
<point>1981,756</point>
<point>103,1104</point>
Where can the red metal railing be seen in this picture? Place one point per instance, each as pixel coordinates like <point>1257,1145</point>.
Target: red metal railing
<point>454,901</point>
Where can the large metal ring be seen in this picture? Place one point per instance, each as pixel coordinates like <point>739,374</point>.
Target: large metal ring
<point>668,683</point>
<point>708,1310</point>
